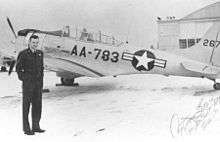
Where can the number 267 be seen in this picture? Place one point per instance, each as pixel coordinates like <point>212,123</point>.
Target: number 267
<point>211,43</point>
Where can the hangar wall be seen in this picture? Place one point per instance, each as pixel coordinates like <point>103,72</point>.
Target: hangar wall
<point>185,32</point>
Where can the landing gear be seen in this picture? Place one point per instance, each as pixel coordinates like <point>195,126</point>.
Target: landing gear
<point>216,85</point>
<point>3,69</point>
<point>68,82</point>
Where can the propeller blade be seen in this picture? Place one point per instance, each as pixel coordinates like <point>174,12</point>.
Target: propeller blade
<point>11,67</point>
<point>11,27</point>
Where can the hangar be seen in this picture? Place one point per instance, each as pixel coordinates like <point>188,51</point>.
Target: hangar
<point>185,32</point>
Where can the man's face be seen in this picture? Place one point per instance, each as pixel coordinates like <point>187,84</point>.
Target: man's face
<point>33,43</point>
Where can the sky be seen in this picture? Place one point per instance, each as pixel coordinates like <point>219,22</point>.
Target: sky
<point>125,19</point>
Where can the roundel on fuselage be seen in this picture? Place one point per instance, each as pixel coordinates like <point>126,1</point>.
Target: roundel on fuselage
<point>143,60</point>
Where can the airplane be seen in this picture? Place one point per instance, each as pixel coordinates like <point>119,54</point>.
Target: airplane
<point>72,57</point>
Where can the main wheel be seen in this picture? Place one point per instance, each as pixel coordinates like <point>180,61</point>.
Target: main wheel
<point>3,69</point>
<point>216,86</point>
<point>67,81</point>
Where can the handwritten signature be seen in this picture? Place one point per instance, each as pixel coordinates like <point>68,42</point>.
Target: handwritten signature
<point>205,112</point>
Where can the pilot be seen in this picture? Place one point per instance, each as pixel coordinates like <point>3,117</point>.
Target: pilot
<point>30,68</point>
<point>84,34</point>
<point>90,37</point>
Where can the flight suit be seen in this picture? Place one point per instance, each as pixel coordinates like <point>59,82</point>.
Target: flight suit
<point>30,68</point>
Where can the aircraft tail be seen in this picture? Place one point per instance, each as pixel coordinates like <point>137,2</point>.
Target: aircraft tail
<point>208,49</point>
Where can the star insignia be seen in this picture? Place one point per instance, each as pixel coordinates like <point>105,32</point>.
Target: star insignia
<point>143,61</point>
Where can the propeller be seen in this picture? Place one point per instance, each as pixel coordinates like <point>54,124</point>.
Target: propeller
<point>11,27</point>
<point>12,64</point>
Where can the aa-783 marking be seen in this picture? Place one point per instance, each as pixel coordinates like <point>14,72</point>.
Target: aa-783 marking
<point>105,55</point>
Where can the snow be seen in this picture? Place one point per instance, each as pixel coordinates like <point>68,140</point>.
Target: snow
<point>123,108</point>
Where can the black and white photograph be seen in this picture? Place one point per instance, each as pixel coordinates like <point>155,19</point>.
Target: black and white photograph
<point>109,70</point>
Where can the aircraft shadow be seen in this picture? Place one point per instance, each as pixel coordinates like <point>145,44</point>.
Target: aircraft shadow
<point>205,92</point>
<point>193,90</point>
<point>63,91</point>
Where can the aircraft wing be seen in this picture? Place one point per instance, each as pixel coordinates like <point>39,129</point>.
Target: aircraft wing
<point>200,67</point>
<point>61,64</point>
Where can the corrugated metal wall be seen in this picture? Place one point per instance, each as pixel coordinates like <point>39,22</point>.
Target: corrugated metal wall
<point>170,34</point>
<point>183,33</point>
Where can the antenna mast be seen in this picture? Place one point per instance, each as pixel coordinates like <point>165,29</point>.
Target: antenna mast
<point>210,62</point>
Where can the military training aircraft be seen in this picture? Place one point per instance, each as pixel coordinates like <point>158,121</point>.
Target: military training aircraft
<point>92,55</point>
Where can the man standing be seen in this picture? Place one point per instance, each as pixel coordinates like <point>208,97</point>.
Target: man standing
<point>30,68</point>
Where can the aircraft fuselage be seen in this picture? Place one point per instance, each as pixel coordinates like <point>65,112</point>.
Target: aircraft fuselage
<point>97,60</point>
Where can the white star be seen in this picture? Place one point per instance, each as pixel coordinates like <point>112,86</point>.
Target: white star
<point>143,60</point>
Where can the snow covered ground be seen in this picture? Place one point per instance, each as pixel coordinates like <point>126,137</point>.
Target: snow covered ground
<point>125,108</point>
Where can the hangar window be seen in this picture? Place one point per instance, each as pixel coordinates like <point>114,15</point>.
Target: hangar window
<point>182,43</point>
<point>186,43</point>
<point>191,42</point>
